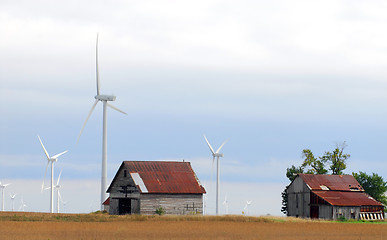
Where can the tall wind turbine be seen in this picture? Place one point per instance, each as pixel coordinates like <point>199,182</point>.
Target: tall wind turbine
<point>216,155</point>
<point>104,99</point>
<point>3,186</point>
<point>51,160</point>
<point>246,208</point>
<point>13,199</point>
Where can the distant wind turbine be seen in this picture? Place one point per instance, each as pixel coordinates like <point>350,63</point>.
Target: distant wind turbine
<point>13,199</point>
<point>58,196</point>
<point>104,99</point>
<point>216,155</point>
<point>51,160</point>
<point>246,208</point>
<point>3,186</point>
<point>225,203</point>
<point>23,205</point>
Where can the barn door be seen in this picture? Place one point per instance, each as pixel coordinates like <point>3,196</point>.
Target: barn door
<point>124,206</point>
<point>314,212</point>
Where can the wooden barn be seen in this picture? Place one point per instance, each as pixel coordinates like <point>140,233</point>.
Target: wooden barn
<point>331,197</point>
<point>142,187</point>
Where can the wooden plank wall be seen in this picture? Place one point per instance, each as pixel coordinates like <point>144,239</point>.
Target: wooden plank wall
<point>179,204</point>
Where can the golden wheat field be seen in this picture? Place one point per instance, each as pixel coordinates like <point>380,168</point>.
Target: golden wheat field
<point>102,226</point>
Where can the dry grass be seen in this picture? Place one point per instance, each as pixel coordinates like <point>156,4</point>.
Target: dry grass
<point>102,226</point>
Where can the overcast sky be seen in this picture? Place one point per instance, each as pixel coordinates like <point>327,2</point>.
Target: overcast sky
<point>272,77</point>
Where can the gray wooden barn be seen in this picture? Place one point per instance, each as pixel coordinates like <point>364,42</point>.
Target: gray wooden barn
<point>331,197</point>
<point>141,187</point>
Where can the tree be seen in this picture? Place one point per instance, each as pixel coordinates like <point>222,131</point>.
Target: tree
<point>292,172</point>
<point>317,165</point>
<point>337,159</point>
<point>373,184</point>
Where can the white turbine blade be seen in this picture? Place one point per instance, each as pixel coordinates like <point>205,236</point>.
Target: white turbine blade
<point>45,173</point>
<point>217,151</point>
<point>45,151</point>
<point>59,154</point>
<point>59,196</point>
<point>88,116</point>
<point>57,183</point>
<point>6,184</point>
<point>115,108</point>
<point>209,145</point>
<point>47,188</point>
<point>96,65</point>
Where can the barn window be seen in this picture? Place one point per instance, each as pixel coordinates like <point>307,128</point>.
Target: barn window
<point>125,173</point>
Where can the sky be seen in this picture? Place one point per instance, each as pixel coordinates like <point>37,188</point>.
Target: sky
<point>271,77</point>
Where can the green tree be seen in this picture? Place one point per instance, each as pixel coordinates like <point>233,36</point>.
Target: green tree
<point>317,165</point>
<point>373,184</point>
<point>337,159</point>
<point>291,172</point>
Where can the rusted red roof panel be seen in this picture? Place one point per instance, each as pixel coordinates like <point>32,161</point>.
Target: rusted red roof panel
<point>333,182</point>
<point>347,198</point>
<point>166,177</point>
<point>107,201</point>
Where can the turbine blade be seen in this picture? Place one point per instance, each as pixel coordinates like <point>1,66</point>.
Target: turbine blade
<point>217,151</point>
<point>59,154</point>
<point>45,151</point>
<point>88,116</point>
<point>60,197</point>
<point>115,108</point>
<point>209,145</point>
<point>57,183</point>
<point>96,65</point>
<point>45,173</point>
<point>47,188</point>
<point>6,184</point>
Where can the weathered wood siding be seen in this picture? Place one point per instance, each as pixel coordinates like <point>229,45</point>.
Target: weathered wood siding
<point>347,212</point>
<point>179,204</point>
<point>298,199</point>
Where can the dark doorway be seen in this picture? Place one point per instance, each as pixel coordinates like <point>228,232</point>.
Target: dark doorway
<point>124,206</point>
<point>314,212</point>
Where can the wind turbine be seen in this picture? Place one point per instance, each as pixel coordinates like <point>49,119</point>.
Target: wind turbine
<point>104,99</point>
<point>246,208</point>
<point>225,203</point>
<point>23,205</point>
<point>51,160</point>
<point>216,155</point>
<point>13,199</point>
<point>3,186</point>
<point>58,196</point>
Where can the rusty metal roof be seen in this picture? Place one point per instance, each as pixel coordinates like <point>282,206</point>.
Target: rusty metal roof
<point>331,182</point>
<point>166,177</point>
<point>337,198</point>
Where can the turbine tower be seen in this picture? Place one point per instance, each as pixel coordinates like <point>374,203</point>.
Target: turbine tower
<point>216,155</point>
<point>51,160</point>
<point>3,186</point>
<point>13,199</point>
<point>104,99</point>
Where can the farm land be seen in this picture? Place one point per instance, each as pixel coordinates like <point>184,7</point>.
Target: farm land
<point>102,226</point>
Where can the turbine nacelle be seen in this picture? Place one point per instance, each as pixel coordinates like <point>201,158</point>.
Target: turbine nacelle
<point>105,97</point>
<point>217,155</point>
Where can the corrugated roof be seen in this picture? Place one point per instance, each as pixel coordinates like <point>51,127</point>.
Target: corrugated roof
<point>166,177</point>
<point>347,198</point>
<point>332,182</point>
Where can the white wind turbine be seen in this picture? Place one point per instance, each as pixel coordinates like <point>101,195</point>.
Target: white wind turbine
<point>23,205</point>
<point>225,203</point>
<point>3,186</point>
<point>216,155</point>
<point>51,160</point>
<point>104,99</point>
<point>58,196</point>
<point>246,208</point>
<point>13,199</point>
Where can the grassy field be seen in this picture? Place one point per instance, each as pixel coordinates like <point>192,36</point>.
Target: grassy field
<point>102,226</point>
